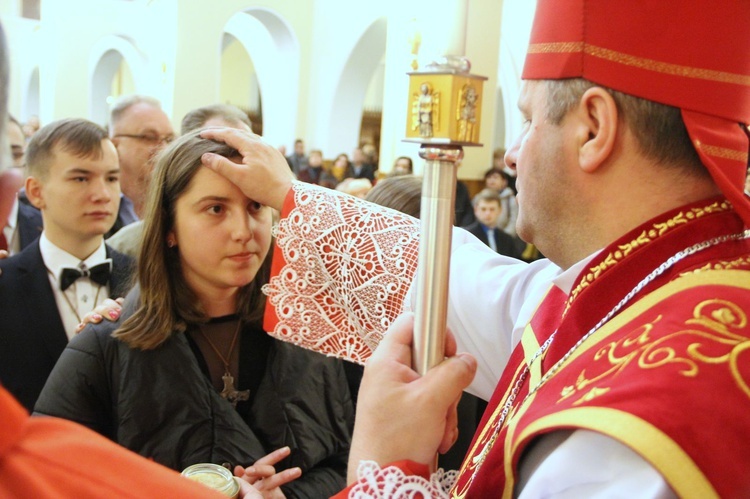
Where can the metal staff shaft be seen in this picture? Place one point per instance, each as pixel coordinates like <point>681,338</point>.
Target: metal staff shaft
<point>437,212</point>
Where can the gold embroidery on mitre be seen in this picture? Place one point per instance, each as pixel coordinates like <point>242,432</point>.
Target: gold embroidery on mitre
<point>666,67</point>
<point>640,62</point>
<point>645,237</point>
<point>556,48</point>
<point>718,335</point>
<point>723,152</point>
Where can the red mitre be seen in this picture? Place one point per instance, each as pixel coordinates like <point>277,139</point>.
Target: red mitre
<point>692,55</point>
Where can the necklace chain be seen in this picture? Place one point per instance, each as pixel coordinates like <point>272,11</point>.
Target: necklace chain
<point>74,309</point>
<point>671,261</point>
<point>229,392</point>
<point>231,346</point>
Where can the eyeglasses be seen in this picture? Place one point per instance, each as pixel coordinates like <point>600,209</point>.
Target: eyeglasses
<point>150,138</point>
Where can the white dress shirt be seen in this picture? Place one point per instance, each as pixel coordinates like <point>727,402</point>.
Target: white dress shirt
<point>11,230</point>
<point>84,294</point>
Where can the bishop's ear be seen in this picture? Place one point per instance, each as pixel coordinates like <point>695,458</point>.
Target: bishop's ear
<point>35,192</point>
<point>598,115</point>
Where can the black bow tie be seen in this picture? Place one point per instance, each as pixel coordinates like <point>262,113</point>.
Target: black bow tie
<point>98,273</point>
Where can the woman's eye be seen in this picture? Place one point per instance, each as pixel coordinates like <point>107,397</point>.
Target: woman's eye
<point>216,209</point>
<point>254,206</point>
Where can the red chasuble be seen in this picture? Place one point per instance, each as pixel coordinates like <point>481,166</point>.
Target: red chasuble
<point>668,374</point>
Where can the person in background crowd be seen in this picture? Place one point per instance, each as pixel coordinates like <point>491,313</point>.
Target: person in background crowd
<point>139,128</point>
<point>371,157</point>
<point>488,209</point>
<point>215,115</point>
<point>16,141</point>
<point>359,167</point>
<point>31,126</point>
<point>402,166</point>
<point>297,160</point>
<point>340,166</point>
<point>497,180</point>
<point>357,187</point>
<point>23,223</point>
<point>316,173</point>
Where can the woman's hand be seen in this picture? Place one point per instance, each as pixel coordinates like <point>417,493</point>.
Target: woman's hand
<point>247,491</point>
<point>263,176</point>
<point>109,309</point>
<point>262,475</point>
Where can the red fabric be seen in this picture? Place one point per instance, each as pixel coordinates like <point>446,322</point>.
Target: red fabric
<point>49,457</point>
<point>637,391</point>
<point>631,372</point>
<point>270,319</point>
<point>692,56</point>
<point>698,413</point>
<point>548,315</point>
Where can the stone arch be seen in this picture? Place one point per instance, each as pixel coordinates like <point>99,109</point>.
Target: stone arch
<point>274,50</point>
<point>104,61</point>
<point>346,108</point>
<point>30,97</point>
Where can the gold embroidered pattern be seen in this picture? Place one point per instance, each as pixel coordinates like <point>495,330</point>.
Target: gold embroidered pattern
<point>640,62</point>
<point>717,334</point>
<point>645,237</point>
<point>742,262</point>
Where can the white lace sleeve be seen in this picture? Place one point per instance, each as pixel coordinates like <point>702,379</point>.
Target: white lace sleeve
<point>392,483</point>
<point>346,266</point>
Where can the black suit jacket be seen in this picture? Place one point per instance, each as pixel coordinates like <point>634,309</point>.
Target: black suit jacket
<point>368,171</point>
<point>28,224</point>
<point>504,243</point>
<point>32,335</point>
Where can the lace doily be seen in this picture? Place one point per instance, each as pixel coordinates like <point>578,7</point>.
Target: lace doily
<point>345,275</point>
<point>392,483</point>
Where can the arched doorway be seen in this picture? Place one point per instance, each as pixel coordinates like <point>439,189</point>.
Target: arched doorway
<point>114,69</point>
<point>274,52</point>
<point>356,76</point>
<point>30,99</point>
<point>239,81</point>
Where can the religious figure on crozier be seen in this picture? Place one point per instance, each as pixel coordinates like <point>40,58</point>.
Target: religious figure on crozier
<point>426,110</point>
<point>466,114</point>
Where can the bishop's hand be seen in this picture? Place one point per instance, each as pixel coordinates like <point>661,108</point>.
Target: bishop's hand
<point>400,414</point>
<point>263,176</point>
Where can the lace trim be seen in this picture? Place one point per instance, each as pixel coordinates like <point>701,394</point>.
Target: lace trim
<point>345,272</point>
<point>392,483</point>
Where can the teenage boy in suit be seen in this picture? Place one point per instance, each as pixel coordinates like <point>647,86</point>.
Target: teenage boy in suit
<point>487,209</point>
<point>74,179</point>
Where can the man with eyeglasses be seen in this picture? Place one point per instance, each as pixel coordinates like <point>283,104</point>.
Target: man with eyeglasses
<point>139,128</point>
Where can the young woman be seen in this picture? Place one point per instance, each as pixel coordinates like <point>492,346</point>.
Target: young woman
<point>187,375</point>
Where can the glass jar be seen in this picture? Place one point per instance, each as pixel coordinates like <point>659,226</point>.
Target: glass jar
<point>214,476</point>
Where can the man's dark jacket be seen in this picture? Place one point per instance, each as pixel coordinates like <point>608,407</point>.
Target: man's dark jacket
<point>32,335</point>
